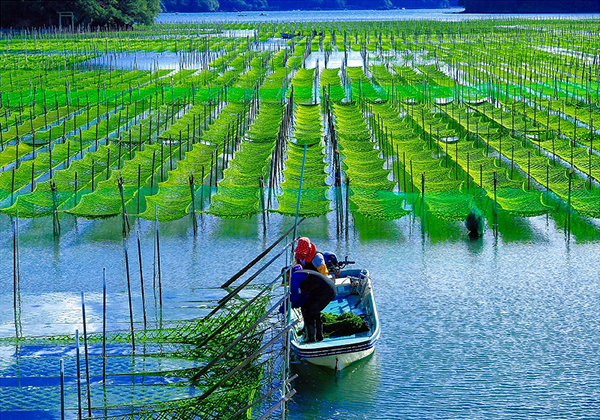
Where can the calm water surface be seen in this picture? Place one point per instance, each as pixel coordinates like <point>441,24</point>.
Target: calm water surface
<point>499,328</point>
<point>450,14</point>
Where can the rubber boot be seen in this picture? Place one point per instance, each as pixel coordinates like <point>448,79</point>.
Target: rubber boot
<point>310,333</point>
<point>319,333</point>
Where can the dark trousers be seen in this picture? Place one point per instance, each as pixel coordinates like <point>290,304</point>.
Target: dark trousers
<point>311,312</point>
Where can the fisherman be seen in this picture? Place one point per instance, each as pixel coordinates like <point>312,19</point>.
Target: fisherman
<point>307,256</point>
<point>311,291</point>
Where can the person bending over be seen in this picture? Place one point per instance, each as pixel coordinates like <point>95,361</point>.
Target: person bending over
<point>311,291</point>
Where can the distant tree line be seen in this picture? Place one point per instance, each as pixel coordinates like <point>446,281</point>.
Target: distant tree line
<point>44,13</point>
<point>192,6</point>
<point>530,6</point>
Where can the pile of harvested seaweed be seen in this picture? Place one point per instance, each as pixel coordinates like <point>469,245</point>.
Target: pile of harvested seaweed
<point>342,325</point>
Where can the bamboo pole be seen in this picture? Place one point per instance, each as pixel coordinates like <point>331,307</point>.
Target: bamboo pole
<point>193,204</point>
<point>77,357</point>
<point>159,271</point>
<point>129,295</point>
<point>104,326</point>
<point>139,247</point>
<point>62,389</point>
<point>87,359</point>
<point>16,279</point>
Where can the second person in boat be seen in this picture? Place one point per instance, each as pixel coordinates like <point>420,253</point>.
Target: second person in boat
<point>307,256</point>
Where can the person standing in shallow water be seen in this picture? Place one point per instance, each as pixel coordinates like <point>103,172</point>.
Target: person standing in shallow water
<point>307,256</point>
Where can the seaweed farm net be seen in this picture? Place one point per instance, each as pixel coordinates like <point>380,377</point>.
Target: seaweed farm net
<point>398,121</point>
<point>214,367</point>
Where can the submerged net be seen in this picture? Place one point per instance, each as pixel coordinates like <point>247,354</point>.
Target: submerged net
<point>155,381</point>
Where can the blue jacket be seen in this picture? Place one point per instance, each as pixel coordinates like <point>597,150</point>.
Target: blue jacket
<point>307,282</point>
<point>298,296</point>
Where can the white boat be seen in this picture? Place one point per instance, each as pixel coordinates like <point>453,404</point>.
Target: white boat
<point>354,294</point>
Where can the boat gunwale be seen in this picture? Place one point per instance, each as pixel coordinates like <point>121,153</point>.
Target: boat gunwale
<point>341,345</point>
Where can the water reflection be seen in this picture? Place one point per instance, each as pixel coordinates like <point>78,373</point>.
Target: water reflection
<point>441,230</point>
<point>469,327</point>
<point>373,229</point>
<point>352,389</point>
<point>319,228</point>
<point>245,227</point>
<point>475,246</point>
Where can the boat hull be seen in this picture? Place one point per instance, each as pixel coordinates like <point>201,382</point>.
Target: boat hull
<point>336,360</point>
<point>339,352</point>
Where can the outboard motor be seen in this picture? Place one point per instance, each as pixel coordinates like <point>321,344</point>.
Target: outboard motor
<point>331,261</point>
<point>475,223</point>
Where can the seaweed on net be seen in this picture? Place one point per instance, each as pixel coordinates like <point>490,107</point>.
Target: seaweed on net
<point>363,88</point>
<point>161,368</point>
<point>510,192</point>
<point>189,126</point>
<point>173,199</point>
<point>239,192</point>
<point>330,82</point>
<point>76,179</point>
<point>525,198</point>
<point>303,83</point>
<point>368,179</point>
<point>42,202</point>
<point>408,149</point>
<point>553,134</point>
<point>274,87</point>
<point>70,148</point>
<point>308,130</point>
<point>106,200</point>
